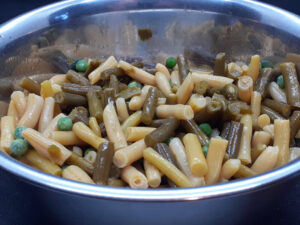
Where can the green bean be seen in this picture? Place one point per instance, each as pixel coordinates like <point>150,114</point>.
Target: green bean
<point>212,91</point>
<point>79,114</point>
<point>105,75</point>
<point>232,112</point>
<point>162,133</point>
<point>295,125</point>
<point>158,122</point>
<point>150,70</point>
<point>234,139</point>
<point>280,107</point>
<point>172,99</point>
<point>191,127</point>
<point>3,108</point>
<point>114,83</point>
<point>271,113</point>
<point>77,78</point>
<point>230,91</point>
<point>108,96</point>
<point>219,68</point>
<point>95,106</point>
<point>164,151</point>
<point>244,172</point>
<point>149,106</point>
<point>201,87</point>
<point>225,130</point>
<point>31,85</point>
<point>214,109</point>
<point>182,68</point>
<point>103,163</point>
<point>79,89</point>
<point>102,129</point>
<point>292,88</point>
<point>129,92</point>
<point>93,64</point>
<point>77,160</point>
<point>65,99</point>
<point>264,78</point>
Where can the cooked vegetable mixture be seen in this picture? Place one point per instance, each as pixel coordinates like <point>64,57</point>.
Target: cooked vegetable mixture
<point>120,124</point>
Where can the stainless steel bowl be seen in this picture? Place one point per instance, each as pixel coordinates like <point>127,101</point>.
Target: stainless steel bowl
<point>200,29</point>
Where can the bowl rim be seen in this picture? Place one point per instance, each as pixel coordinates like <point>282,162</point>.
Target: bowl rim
<point>180,194</point>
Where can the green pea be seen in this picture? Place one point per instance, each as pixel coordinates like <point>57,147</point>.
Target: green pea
<point>205,150</point>
<point>18,148</point>
<point>266,64</point>
<point>18,132</point>
<point>88,150</point>
<point>72,64</point>
<point>64,123</point>
<point>134,84</point>
<point>81,65</point>
<point>170,62</point>
<point>280,81</point>
<point>170,82</point>
<point>206,128</point>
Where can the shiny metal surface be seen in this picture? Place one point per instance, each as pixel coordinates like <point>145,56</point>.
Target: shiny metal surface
<point>197,28</point>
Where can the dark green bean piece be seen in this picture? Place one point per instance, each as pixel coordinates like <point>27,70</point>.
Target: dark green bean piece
<point>77,78</point>
<point>79,114</point>
<point>212,91</point>
<point>77,160</point>
<point>203,115</point>
<point>162,133</point>
<point>104,157</point>
<point>271,113</point>
<point>65,99</point>
<point>292,88</point>
<point>280,107</point>
<point>150,70</point>
<point>172,99</point>
<point>191,127</point>
<point>55,58</point>
<point>138,64</point>
<point>102,129</point>
<point>225,131</point>
<point>150,106</point>
<point>219,68</point>
<point>265,77</point>
<point>79,89</point>
<point>158,122</point>
<point>295,125</point>
<point>105,75</point>
<point>201,87</point>
<point>183,68</point>
<point>108,96</point>
<point>93,64</point>
<point>214,109</point>
<point>164,151</point>
<point>31,86</point>
<point>234,139</point>
<point>3,108</point>
<point>114,83</point>
<point>122,87</point>
<point>129,92</point>
<point>230,91</point>
<point>95,106</point>
<point>232,112</point>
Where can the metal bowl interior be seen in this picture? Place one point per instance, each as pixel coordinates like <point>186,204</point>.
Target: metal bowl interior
<point>199,29</point>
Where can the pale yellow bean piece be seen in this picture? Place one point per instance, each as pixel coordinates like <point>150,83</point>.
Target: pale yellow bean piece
<point>137,102</point>
<point>175,78</point>
<point>76,173</point>
<point>122,108</point>
<point>179,111</point>
<point>185,90</point>
<point>46,114</point>
<point>113,127</point>
<point>133,120</point>
<point>266,160</point>
<point>138,133</point>
<point>152,174</point>
<point>260,138</point>
<point>52,126</point>
<point>7,132</point>
<point>134,178</point>
<point>263,120</point>
<point>12,111</point>
<point>255,107</point>
<point>213,81</point>
<point>162,83</point>
<point>93,123</point>
<point>19,99</point>
<point>245,146</point>
<point>197,102</point>
<point>282,140</point>
<point>230,167</point>
<point>253,69</point>
<point>125,156</point>
<point>214,158</point>
<point>66,138</point>
<point>245,88</point>
<point>33,111</point>
<point>163,69</point>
